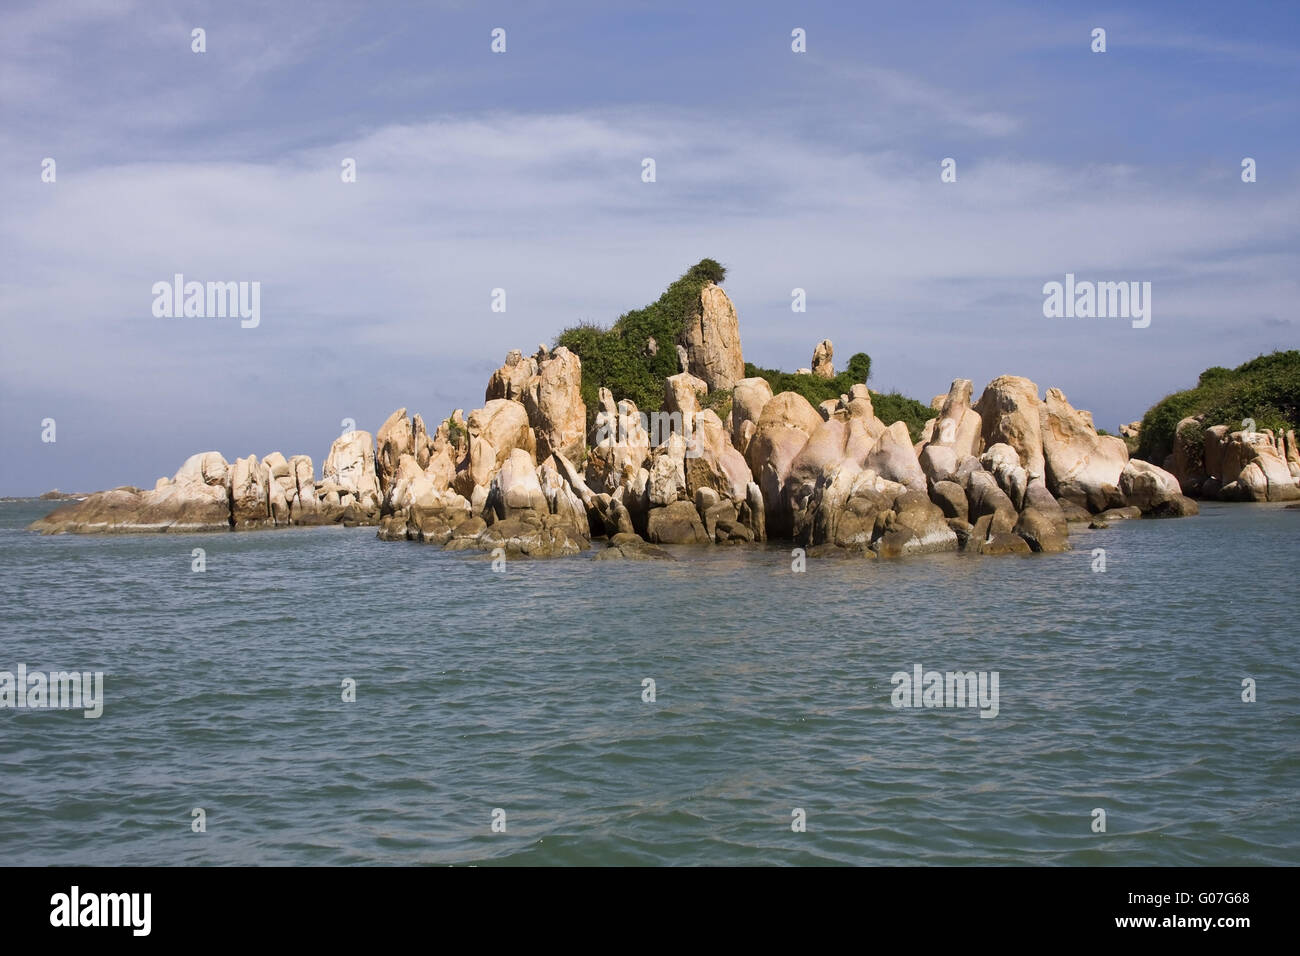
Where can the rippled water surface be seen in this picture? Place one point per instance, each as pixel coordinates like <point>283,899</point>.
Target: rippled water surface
<point>522,691</point>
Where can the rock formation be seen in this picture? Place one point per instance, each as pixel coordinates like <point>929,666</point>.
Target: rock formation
<point>822,364</point>
<point>711,339</point>
<point>1216,463</point>
<point>1008,474</point>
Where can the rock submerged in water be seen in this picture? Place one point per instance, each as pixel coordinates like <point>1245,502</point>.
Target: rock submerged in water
<point>209,494</point>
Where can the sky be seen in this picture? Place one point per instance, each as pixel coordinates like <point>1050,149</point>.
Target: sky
<point>522,170</point>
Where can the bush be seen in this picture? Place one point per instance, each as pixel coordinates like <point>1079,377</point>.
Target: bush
<point>899,408</point>
<point>812,387</point>
<point>1266,389</point>
<point>889,408</point>
<point>719,400</point>
<point>618,358</point>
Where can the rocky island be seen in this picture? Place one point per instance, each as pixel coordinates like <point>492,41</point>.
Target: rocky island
<point>554,463</point>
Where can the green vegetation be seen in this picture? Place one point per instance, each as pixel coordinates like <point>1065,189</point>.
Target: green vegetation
<point>889,408</point>
<point>899,408</point>
<point>1266,389</point>
<point>811,387</point>
<point>619,358</point>
<point>720,401</point>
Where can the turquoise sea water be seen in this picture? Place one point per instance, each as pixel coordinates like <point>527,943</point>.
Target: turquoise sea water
<point>522,691</point>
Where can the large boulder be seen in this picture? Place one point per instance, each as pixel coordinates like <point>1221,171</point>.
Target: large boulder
<point>914,526</point>
<point>784,427</point>
<point>556,411</point>
<point>682,393</point>
<point>627,546</point>
<point>622,445</point>
<point>1002,462</point>
<point>304,507</point>
<point>1081,465</point>
<point>958,426</point>
<point>1040,499</point>
<point>196,498</point>
<point>676,523</point>
<point>711,337</point>
<point>823,365</point>
<point>844,507</point>
<point>249,502</point>
<point>986,499</point>
<point>1009,412</point>
<point>1146,486</point>
<point>1041,532</point>
<point>563,500</point>
<point>749,397</point>
<point>395,438</point>
<point>511,379</point>
<point>515,489</point>
<point>894,457</point>
<point>495,430</point>
<point>712,462</point>
<point>668,472</point>
<point>951,499</point>
<point>350,467</point>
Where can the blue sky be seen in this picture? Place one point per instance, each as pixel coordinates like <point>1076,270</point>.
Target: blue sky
<point>522,171</point>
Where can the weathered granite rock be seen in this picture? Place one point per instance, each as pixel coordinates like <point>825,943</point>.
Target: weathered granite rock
<point>622,445</point>
<point>1189,455</point>
<point>1081,465</point>
<point>1040,531</point>
<point>711,338</point>
<point>893,457</point>
<point>985,498</point>
<point>1003,463</point>
<point>196,498</point>
<point>495,430</point>
<point>514,489</point>
<point>562,500</point>
<point>848,507</point>
<point>511,379</point>
<point>919,527</point>
<point>1253,469</point>
<point>950,498</point>
<point>1144,486</point>
<point>958,426</point>
<point>350,466</point>
<point>395,438</point>
<point>787,422</point>
<point>632,547</point>
<point>676,523</point>
<point>668,472</point>
<point>556,411</point>
<point>682,393</point>
<point>712,462</point>
<point>748,399</point>
<point>249,505</point>
<point>823,365</point>
<point>1010,411</point>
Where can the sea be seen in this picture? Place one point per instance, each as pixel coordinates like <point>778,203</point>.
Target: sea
<point>318,696</point>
